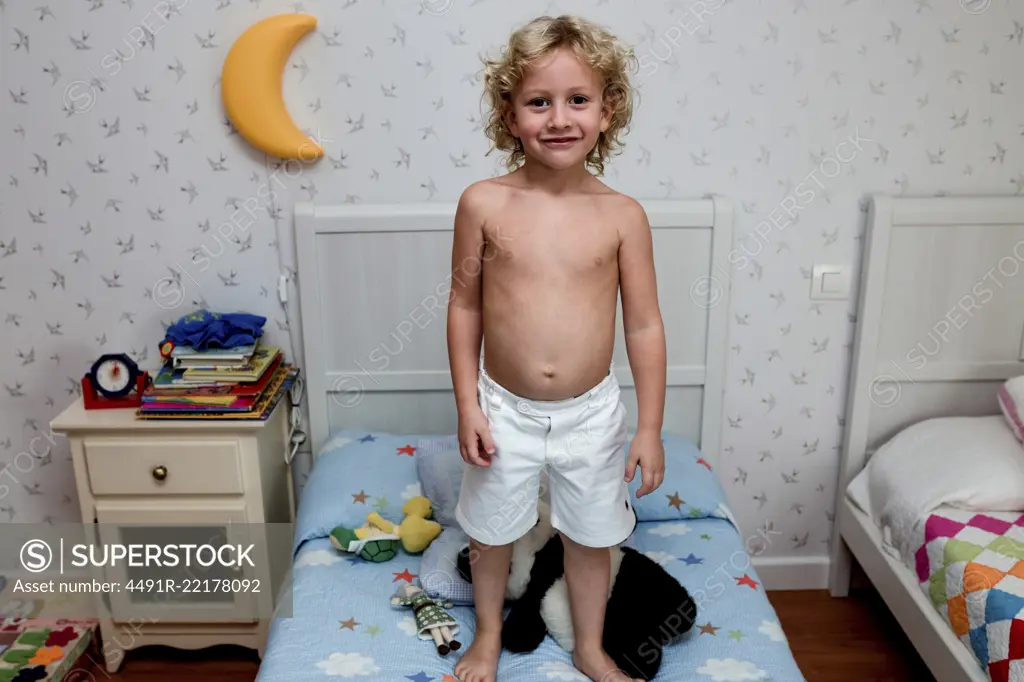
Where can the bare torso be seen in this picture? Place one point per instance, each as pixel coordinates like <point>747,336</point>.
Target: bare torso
<point>550,279</point>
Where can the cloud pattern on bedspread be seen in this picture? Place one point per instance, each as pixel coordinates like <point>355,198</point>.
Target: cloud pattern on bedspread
<point>343,625</point>
<point>971,566</point>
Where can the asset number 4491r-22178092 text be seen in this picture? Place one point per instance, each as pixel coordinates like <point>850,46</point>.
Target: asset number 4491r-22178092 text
<point>193,585</point>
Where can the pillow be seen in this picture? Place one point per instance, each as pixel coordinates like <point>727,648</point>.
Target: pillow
<point>1011,397</point>
<point>439,573</point>
<point>691,490</point>
<point>972,463</point>
<point>357,473</point>
<point>439,466</point>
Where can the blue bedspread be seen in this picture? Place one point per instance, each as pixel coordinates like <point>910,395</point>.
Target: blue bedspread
<point>343,626</point>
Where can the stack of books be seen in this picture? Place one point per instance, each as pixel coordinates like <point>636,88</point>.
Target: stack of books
<point>218,383</point>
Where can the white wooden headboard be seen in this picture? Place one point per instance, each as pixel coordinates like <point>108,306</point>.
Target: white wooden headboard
<point>940,321</point>
<point>373,283</point>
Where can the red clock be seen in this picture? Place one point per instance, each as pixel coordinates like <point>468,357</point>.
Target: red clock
<point>114,380</point>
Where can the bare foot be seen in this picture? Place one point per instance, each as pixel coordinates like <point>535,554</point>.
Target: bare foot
<point>599,667</point>
<point>480,662</point>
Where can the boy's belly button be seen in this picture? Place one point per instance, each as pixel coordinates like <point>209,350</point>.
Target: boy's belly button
<point>549,371</point>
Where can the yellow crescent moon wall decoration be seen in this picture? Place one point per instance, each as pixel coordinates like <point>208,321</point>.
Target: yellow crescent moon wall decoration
<point>251,86</point>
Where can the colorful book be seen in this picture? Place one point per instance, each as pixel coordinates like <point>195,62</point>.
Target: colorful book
<point>212,358</point>
<point>184,398</point>
<point>168,377</point>
<point>188,352</point>
<point>282,382</point>
<point>164,390</point>
<point>250,371</point>
<point>209,363</point>
<point>185,403</point>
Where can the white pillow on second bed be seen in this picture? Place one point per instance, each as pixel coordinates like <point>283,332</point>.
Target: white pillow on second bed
<point>973,463</point>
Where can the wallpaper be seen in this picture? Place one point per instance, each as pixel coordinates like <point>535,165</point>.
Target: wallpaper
<point>127,199</point>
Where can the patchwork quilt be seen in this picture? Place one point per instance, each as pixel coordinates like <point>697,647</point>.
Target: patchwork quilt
<point>971,566</point>
<point>47,650</point>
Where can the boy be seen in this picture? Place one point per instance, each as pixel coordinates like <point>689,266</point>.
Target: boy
<point>539,255</point>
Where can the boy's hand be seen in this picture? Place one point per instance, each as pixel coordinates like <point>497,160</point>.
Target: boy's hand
<point>648,451</point>
<point>475,441</point>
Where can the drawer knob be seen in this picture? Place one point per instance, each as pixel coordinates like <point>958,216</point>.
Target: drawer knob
<point>160,473</point>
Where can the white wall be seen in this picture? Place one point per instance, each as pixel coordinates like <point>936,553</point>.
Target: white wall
<point>802,103</point>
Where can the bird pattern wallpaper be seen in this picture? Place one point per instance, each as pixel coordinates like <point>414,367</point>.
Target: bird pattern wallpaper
<point>127,198</point>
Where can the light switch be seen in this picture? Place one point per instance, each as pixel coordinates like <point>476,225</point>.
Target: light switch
<point>830,282</point>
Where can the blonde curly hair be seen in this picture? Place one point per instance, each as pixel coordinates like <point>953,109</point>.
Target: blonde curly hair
<point>593,44</point>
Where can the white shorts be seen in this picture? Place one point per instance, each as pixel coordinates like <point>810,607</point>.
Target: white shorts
<point>580,442</point>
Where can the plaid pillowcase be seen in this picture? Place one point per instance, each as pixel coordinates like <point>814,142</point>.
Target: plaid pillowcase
<point>439,466</point>
<point>439,574</point>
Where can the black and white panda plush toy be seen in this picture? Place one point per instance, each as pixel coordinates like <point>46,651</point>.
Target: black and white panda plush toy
<point>647,609</point>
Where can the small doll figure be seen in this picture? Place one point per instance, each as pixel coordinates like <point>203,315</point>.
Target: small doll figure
<point>432,621</point>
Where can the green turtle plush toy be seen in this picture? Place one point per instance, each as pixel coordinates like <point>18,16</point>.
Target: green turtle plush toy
<point>378,540</point>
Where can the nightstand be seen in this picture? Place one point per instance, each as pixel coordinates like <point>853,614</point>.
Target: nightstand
<point>221,475</point>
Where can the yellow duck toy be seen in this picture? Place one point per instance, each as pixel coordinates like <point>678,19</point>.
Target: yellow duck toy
<point>378,540</point>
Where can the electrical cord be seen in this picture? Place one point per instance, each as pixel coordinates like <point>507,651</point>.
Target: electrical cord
<point>296,436</point>
<point>297,439</point>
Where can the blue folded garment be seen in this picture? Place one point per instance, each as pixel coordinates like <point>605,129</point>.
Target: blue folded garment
<point>204,329</point>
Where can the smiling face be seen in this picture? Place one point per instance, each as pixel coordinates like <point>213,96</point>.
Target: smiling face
<point>556,112</point>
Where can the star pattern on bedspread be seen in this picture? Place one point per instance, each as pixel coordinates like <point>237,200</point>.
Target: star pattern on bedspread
<point>748,581</point>
<point>448,678</point>
<point>368,438</point>
<point>407,450</point>
<point>736,634</point>
<point>359,498</point>
<point>404,575</point>
<point>704,462</point>
<point>349,624</point>
<point>709,629</point>
<point>674,501</point>
<point>419,677</point>
<point>372,630</point>
<point>691,559</point>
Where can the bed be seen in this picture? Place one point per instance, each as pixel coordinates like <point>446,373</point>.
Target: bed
<point>373,281</point>
<point>939,331</point>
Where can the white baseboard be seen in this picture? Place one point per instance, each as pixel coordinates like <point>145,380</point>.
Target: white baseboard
<point>793,573</point>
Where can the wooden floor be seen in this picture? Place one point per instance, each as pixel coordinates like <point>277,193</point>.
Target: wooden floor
<point>833,640</point>
<point>838,640</point>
